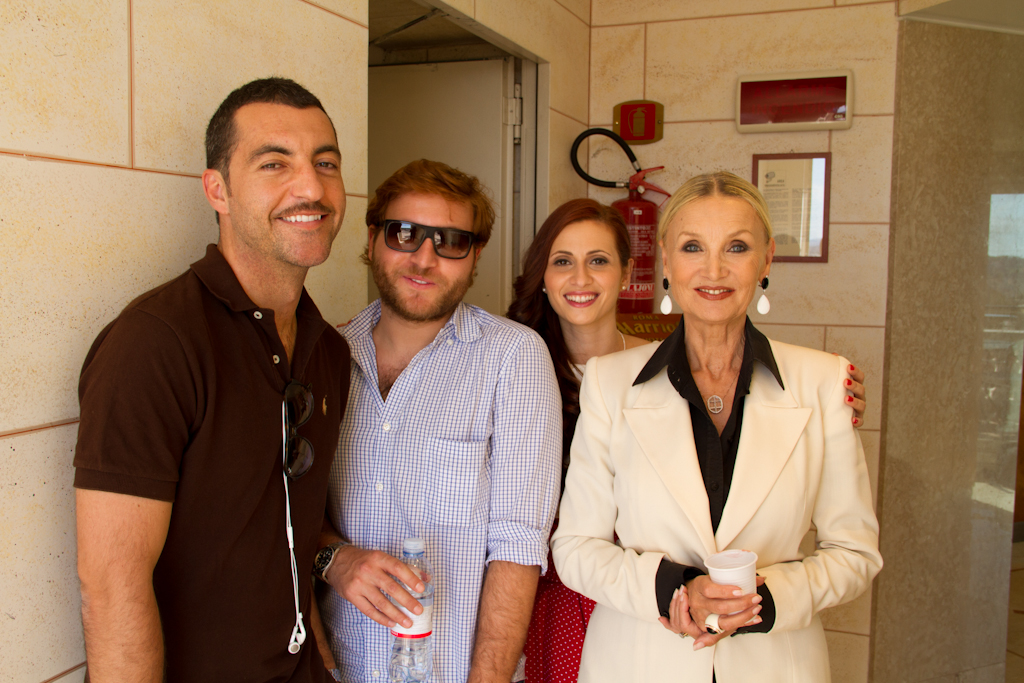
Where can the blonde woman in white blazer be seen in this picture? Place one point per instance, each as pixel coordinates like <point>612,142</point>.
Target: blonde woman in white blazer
<point>716,439</point>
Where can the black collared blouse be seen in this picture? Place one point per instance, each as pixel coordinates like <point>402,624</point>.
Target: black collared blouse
<point>716,452</point>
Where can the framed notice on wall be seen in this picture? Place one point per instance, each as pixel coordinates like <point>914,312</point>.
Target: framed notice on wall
<point>813,100</point>
<point>796,188</point>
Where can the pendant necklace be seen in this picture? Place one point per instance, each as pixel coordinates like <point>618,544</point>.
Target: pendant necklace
<point>715,404</point>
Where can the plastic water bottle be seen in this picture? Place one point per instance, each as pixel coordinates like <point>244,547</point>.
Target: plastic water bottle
<point>411,655</point>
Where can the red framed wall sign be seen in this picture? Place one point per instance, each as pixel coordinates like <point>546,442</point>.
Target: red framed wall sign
<point>816,100</point>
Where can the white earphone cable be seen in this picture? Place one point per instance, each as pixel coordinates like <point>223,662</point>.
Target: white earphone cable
<point>299,631</point>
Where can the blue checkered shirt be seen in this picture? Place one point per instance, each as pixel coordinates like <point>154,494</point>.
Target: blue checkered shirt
<point>466,454</point>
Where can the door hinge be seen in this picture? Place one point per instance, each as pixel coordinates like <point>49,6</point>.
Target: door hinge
<point>514,114</point>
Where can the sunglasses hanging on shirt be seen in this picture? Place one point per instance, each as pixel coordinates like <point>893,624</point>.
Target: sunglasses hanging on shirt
<point>298,404</point>
<point>296,459</point>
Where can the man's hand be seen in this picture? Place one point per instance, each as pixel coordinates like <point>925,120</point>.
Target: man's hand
<point>506,604</point>
<point>360,575</point>
<point>120,539</point>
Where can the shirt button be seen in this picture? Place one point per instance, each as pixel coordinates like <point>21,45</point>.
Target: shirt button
<point>386,427</point>
<point>376,674</point>
<point>379,486</point>
<point>714,486</point>
<point>449,342</point>
<point>258,315</point>
<point>277,359</point>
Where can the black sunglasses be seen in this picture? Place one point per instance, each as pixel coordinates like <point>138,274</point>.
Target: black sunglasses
<point>295,412</point>
<point>449,243</point>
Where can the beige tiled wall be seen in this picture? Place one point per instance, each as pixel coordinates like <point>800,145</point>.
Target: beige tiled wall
<point>687,54</point>
<point>40,633</point>
<point>101,146</point>
<point>74,59</point>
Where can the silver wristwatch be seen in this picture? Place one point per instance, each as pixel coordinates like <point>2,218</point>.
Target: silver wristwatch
<point>324,558</point>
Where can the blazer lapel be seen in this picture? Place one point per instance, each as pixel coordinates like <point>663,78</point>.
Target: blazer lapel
<point>772,425</point>
<point>660,422</point>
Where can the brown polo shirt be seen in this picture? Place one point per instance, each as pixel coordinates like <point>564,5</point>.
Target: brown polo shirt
<point>181,401</point>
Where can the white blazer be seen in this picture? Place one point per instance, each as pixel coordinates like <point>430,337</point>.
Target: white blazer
<point>634,472</point>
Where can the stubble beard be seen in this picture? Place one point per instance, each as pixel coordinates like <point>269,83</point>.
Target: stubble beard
<point>445,305</point>
<point>258,233</point>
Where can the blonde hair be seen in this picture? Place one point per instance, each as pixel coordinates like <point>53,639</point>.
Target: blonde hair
<point>718,184</point>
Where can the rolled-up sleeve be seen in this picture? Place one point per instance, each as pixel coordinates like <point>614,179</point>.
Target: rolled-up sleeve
<point>525,459</point>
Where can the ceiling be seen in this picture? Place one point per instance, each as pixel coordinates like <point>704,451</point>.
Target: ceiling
<point>437,31</point>
<point>995,15</point>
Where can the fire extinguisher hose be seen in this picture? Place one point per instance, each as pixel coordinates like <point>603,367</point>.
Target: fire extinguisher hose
<point>589,178</point>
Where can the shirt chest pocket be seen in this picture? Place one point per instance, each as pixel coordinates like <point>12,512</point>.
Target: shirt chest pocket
<point>458,494</point>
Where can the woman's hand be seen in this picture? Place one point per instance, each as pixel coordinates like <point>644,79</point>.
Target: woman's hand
<point>706,597</point>
<point>680,622</point>
<point>856,394</point>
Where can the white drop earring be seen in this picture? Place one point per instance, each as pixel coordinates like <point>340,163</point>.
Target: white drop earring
<point>763,306</point>
<point>666,302</point>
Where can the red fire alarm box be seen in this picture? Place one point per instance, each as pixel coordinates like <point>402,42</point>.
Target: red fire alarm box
<point>639,122</point>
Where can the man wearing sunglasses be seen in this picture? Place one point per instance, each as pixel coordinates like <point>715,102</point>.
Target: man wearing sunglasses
<point>453,435</point>
<point>209,418</point>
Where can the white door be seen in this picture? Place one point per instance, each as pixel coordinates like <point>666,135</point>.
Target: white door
<point>453,112</point>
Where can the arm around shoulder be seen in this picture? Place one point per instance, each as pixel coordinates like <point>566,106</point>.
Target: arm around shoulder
<point>120,538</point>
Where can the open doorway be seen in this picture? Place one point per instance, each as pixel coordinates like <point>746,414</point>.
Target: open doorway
<point>438,91</point>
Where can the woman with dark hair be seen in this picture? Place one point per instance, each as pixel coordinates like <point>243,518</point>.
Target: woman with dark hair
<point>572,274</point>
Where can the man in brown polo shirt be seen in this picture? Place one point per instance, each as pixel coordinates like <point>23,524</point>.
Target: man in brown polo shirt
<point>209,418</point>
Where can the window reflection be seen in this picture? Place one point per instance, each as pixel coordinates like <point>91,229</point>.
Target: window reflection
<point>1003,358</point>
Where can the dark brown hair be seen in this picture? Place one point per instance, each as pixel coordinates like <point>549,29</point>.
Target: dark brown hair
<point>531,307</point>
<point>432,177</point>
<point>220,133</point>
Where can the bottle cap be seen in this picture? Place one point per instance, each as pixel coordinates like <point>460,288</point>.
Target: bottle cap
<point>414,545</point>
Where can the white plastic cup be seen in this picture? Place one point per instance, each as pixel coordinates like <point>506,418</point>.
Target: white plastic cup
<point>734,568</point>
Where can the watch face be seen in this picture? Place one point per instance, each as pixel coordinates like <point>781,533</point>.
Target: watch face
<point>323,558</point>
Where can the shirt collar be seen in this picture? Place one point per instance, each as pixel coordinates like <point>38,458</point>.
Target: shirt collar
<point>672,354</point>
<point>214,271</point>
<point>463,324</point>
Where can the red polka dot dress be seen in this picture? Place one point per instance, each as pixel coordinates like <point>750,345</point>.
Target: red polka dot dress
<point>554,641</point>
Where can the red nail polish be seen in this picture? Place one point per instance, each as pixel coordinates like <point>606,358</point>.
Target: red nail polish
<point>849,382</point>
<point>849,399</point>
<point>852,368</point>
<point>856,421</point>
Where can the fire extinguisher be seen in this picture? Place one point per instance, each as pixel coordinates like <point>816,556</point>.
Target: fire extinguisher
<point>641,217</point>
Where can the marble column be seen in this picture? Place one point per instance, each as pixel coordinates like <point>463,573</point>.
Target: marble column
<point>954,352</point>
